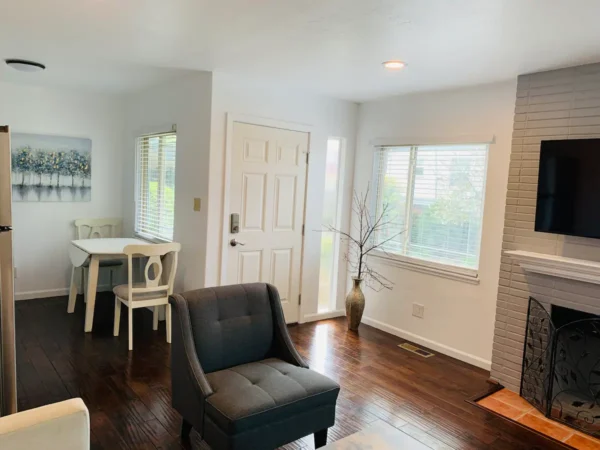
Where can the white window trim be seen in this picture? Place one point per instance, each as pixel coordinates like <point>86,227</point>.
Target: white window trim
<point>145,133</point>
<point>150,238</point>
<point>417,264</point>
<point>410,141</point>
<point>429,267</point>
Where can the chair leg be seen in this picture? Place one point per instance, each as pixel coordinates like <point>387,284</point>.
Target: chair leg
<point>72,292</point>
<point>186,428</point>
<point>168,320</point>
<point>321,438</point>
<point>117,317</point>
<point>155,318</point>
<point>82,282</point>
<point>85,283</point>
<point>130,316</point>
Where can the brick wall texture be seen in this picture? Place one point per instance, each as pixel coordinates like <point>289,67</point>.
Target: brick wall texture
<point>559,104</point>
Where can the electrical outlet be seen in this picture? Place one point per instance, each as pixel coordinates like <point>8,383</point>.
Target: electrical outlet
<point>418,310</point>
<point>196,204</point>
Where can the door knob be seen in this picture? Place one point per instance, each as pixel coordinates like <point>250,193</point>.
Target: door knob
<point>233,243</point>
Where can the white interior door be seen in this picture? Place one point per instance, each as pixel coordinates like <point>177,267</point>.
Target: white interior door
<point>267,181</point>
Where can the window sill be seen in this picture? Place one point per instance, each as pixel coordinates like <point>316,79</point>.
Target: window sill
<point>470,276</point>
<point>149,238</point>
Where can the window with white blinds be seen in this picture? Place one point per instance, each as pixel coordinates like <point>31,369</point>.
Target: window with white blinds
<point>435,197</point>
<point>155,191</point>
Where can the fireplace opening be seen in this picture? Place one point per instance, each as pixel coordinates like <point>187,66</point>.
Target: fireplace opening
<point>563,316</point>
<point>561,365</point>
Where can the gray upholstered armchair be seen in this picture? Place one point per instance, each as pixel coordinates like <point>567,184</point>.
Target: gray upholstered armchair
<point>237,378</point>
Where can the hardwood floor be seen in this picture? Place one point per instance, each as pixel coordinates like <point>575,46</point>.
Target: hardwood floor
<point>128,393</point>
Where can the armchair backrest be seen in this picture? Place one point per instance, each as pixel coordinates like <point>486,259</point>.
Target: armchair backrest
<point>231,325</point>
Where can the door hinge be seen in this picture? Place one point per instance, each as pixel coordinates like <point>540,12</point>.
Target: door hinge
<point>303,229</point>
<point>299,299</point>
<point>307,157</point>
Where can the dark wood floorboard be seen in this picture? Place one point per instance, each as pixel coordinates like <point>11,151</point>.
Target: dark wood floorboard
<point>129,393</point>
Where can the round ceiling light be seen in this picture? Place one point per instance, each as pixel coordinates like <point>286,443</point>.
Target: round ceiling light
<point>23,65</point>
<point>394,64</point>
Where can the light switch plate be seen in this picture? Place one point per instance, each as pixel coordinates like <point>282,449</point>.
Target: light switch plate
<point>196,204</point>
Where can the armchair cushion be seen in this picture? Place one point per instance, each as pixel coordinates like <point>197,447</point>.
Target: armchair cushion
<point>264,392</point>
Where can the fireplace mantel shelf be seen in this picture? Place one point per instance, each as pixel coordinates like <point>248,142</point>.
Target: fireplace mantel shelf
<point>557,266</point>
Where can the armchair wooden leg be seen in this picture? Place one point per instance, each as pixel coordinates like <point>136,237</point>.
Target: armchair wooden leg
<point>186,428</point>
<point>321,438</point>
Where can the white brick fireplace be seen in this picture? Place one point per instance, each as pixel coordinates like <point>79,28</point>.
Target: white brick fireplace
<point>560,104</point>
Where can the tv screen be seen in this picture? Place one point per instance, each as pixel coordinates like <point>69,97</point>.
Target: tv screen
<point>568,196</point>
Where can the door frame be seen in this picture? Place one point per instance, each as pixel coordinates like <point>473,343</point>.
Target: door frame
<point>264,122</point>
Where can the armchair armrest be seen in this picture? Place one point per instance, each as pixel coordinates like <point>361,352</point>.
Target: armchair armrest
<point>189,384</point>
<point>60,426</point>
<point>189,347</point>
<point>283,345</point>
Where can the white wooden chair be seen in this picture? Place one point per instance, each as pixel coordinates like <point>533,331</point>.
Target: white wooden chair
<point>94,229</point>
<point>159,275</point>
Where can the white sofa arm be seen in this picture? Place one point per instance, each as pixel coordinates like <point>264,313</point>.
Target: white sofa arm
<point>60,426</point>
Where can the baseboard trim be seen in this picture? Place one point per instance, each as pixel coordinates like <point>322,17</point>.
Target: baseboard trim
<point>34,295</point>
<point>438,347</point>
<point>323,316</point>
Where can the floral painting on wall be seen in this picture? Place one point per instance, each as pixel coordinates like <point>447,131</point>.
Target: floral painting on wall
<point>51,168</point>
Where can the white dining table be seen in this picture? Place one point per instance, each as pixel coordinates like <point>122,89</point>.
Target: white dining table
<point>92,251</point>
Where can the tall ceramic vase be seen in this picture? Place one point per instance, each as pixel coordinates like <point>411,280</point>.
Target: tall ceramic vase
<point>355,305</point>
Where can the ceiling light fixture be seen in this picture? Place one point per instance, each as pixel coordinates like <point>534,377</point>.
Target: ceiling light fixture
<point>23,65</point>
<point>394,64</point>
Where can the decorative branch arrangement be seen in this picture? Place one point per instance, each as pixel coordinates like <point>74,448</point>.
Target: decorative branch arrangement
<point>364,240</point>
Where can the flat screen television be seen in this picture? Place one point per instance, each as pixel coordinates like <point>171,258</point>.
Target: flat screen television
<point>568,195</point>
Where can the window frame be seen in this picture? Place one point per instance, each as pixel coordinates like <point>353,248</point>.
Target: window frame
<point>334,288</point>
<point>445,270</point>
<point>140,176</point>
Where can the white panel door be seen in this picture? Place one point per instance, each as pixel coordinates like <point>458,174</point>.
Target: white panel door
<point>268,176</point>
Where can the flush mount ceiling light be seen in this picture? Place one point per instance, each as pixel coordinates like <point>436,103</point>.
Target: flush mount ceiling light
<point>23,65</point>
<point>394,64</point>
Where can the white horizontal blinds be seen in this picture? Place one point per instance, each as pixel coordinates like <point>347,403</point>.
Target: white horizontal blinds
<point>392,191</point>
<point>447,206</point>
<point>436,195</point>
<point>156,185</point>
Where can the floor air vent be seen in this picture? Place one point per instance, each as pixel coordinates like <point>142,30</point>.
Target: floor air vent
<point>414,349</point>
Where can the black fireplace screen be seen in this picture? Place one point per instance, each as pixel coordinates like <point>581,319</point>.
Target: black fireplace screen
<point>561,369</point>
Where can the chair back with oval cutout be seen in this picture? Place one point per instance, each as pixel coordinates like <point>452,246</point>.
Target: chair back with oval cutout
<point>159,271</point>
<point>98,228</point>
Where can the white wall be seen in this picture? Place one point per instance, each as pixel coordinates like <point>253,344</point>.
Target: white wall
<point>186,103</point>
<point>328,117</point>
<point>459,317</point>
<point>42,231</point>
